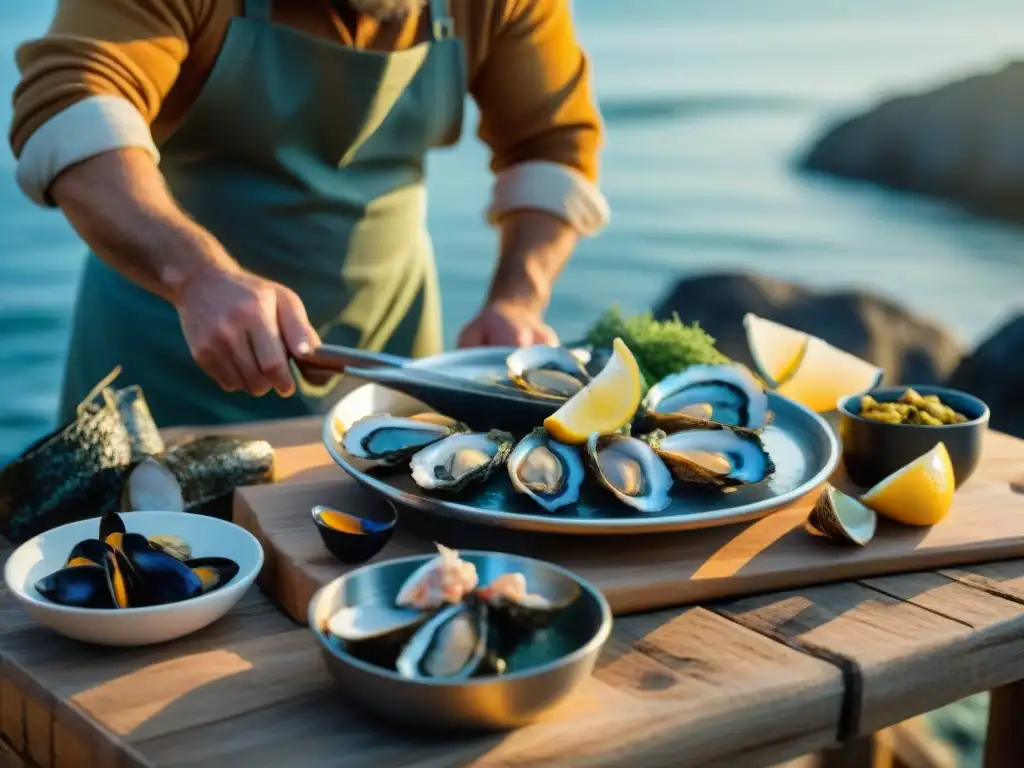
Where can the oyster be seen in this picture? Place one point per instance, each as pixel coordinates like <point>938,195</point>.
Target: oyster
<point>631,470</point>
<point>514,607</point>
<point>446,578</point>
<point>546,370</point>
<point>842,518</point>
<point>456,461</point>
<point>734,394</point>
<point>547,471</point>
<point>718,457</point>
<point>387,440</point>
<point>453,645</point>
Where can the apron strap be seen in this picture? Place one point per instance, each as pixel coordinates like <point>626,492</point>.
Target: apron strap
<point>441,22</point>
<point>258,10</point>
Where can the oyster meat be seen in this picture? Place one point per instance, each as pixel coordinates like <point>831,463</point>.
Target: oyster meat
<point>546,370</point>
<point>630,469</point>
<point>452,645</point>
<point>387,440</point>
<point>547,471</point>
<point>735,396</point>
<point>458,460</point>
<point>719,457</point>
<point>446,578</point>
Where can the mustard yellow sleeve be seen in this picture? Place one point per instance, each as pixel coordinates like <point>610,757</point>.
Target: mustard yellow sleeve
<point>95,82</point>
<point>538,115</point>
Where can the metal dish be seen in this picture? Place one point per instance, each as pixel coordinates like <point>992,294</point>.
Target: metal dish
<point>550,668</point>
<point>804,447</point>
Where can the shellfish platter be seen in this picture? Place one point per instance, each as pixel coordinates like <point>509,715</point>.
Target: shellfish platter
<point>709,445</point>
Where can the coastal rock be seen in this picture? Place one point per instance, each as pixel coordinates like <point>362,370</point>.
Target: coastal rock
<point>995,373</point>
<point>909,348</point>
<point>960,142</point>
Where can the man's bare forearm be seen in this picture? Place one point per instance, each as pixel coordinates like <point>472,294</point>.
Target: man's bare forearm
<point>535,247</point>
<point>119,204</point>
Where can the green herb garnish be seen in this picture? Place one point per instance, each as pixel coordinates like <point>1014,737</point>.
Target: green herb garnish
<point>661,347</point>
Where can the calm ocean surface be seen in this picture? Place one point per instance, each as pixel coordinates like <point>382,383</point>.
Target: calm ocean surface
<point>706,104</point>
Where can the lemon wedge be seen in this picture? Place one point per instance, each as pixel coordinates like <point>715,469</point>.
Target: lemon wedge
<point>805,368</point>
<point>920,493</point>
<point>605,405</point>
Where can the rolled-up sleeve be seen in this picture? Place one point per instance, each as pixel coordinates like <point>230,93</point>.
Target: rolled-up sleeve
<point>94,82</point>
<point>539,117</point>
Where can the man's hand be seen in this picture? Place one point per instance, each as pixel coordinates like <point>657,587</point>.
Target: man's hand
<point>507,324</point>
<point>242,328</point>
<point>534,248</point>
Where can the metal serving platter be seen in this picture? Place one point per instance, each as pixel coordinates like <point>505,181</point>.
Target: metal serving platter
<point>801,443</point>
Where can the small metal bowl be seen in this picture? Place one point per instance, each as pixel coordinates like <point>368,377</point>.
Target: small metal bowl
<point>356,538</point>
<point>873,450</point>
<point>554,665</point>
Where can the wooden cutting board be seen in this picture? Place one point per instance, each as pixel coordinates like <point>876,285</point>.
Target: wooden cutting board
<point>639,572</point>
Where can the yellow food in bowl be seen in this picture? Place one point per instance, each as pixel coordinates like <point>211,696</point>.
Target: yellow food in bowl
<point>911,408</point>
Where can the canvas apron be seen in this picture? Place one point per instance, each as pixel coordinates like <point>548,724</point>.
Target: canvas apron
<point>305,158</point>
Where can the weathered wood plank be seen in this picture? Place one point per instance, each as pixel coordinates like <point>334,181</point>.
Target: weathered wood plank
<point>901,653</point>
<point>667,685</point>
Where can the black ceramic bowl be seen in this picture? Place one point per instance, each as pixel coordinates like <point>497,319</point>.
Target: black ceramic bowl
<point>873,450</point>
<point>356,537</point>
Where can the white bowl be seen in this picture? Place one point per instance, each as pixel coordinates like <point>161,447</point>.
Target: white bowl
<point>208,536</point>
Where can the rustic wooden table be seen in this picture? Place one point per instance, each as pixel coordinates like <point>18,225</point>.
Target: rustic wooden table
<point>750,682</point>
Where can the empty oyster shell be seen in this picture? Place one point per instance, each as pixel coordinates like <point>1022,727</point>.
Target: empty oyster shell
<point>719,457</point>
<point>388,440</point>
<point>452,645</point>
<point>546,370</point>
<point>842,518</point>
<point>631,470</point>
<point>457,461</point>
<point>734,394</point>
<point>547,471</point>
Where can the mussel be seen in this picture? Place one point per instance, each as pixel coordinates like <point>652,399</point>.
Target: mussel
<point>546,370</point>
<point>547,471</point>
<point>387,440</point>
<point>95,577</point>
<point>459,460</point>
<point>717,457</point>
<point>630,469</point>
<point>733,393</point>
<point>127,570</point>
<point>352,538</point>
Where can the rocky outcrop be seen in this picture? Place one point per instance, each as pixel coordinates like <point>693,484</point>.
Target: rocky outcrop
<point>995,373</point>
<point>909,348</point>
<point>961,142</point>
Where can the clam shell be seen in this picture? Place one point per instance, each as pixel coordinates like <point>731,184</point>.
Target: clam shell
<point>842,518</point>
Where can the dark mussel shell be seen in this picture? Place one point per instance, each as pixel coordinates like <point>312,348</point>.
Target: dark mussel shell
<point>96,576</point>
<point>82,586</point>
<point>164,579</point>
<point>112,529</point>
<point>213,572</point>
<point>354,539</point>
<point>87,552</point>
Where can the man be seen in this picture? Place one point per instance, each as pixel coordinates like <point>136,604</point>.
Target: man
<point>249,177</point>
